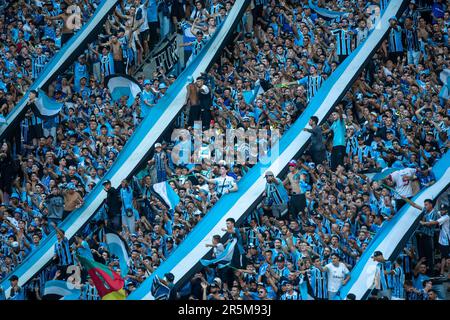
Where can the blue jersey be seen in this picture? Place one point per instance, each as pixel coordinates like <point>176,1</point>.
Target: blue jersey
<point>313,84</point>
<point>412,40</point>
<point>385,280</point>
<point>38,65</point>
<point>107,64</point>
<point>343,41</point>
<point>395,40</point>
<point>80,71</point>
<point>89,292</point>
<point>339,130</point>
<point>398,279</point>
<point>276,194</point>
<point>291,296</point>
<point>318,282</point>
<point>62,250</point>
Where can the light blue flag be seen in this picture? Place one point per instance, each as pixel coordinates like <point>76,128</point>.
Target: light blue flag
<point>168,195</point>
<point>225,258</point>
<point>123,85</point>
<point>325,12</point>
<point>60,288</point>
<point>46,107</point>
<point>118,247</point>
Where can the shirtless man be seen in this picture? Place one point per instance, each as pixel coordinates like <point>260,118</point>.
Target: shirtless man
<point>292,182</point>
<point>117,52</point>
<point>71,22</point>
<point>192,102</point>
<point>293,178</point>
<point>72,199</point>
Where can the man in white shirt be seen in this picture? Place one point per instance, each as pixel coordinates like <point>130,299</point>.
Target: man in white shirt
<point>142,20</point>
<point>403,185</point>
<point>224,184</point>
<point>338,275</point>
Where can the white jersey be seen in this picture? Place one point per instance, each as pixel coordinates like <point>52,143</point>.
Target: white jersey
<point>144,26</point>
<point>402,185</point>
<point>444,234</point>
<point>223,184</point>
<point>335,276</point>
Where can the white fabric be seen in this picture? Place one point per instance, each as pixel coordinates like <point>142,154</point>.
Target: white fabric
<point>444,234</point>
<point>227,183</point>
<point>335,276</point>
<point>403,186</point>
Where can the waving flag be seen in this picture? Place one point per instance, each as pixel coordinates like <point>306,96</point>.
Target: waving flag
<point>444,76</point>
<point>123,85</point>
<point>44,106</point>
<point>109,284</point>
<point>167,194</point>
<point>325,12</point>
<point>61,288</point>
<point>159,290</point>
<point>226,258</point>
<point>118,247</point>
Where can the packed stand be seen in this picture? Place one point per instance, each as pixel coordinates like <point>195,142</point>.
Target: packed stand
<point>393,117</point>
<point>56,161</point>
<point>345,227</point>
<point>32,32</point>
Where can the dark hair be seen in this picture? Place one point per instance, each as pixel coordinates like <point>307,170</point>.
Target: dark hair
<point>315,119</point>
<point>429,201</point>
<point>351,296</point>
<point>334,254</point>
<point>231,220</point>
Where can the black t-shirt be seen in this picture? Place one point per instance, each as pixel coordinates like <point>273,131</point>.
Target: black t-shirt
<point>113,202</point>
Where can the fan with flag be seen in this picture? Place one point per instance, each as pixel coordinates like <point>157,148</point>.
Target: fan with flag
<point>230,257</point>
<point>120,85</point>
<point>109,284</point>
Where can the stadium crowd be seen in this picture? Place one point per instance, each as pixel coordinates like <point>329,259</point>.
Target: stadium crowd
<point>52,163</point>
<point>392,117</point>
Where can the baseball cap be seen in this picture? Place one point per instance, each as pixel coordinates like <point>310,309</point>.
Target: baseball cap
<point>169,276</point>
<point>268,173</point>
<point>279,259</point>
<point>147,81</point>
<point>162,85</point>
<point>71,186</point>
<point>106,181</point>
<point>245,119</point>
<point>443,207</point>
<point>377,254</point>
<point>14,195</point>
<point>158,145</point>
<point>292,163</point>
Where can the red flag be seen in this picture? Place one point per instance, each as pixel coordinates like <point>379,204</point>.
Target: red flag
<point>109,284</point>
